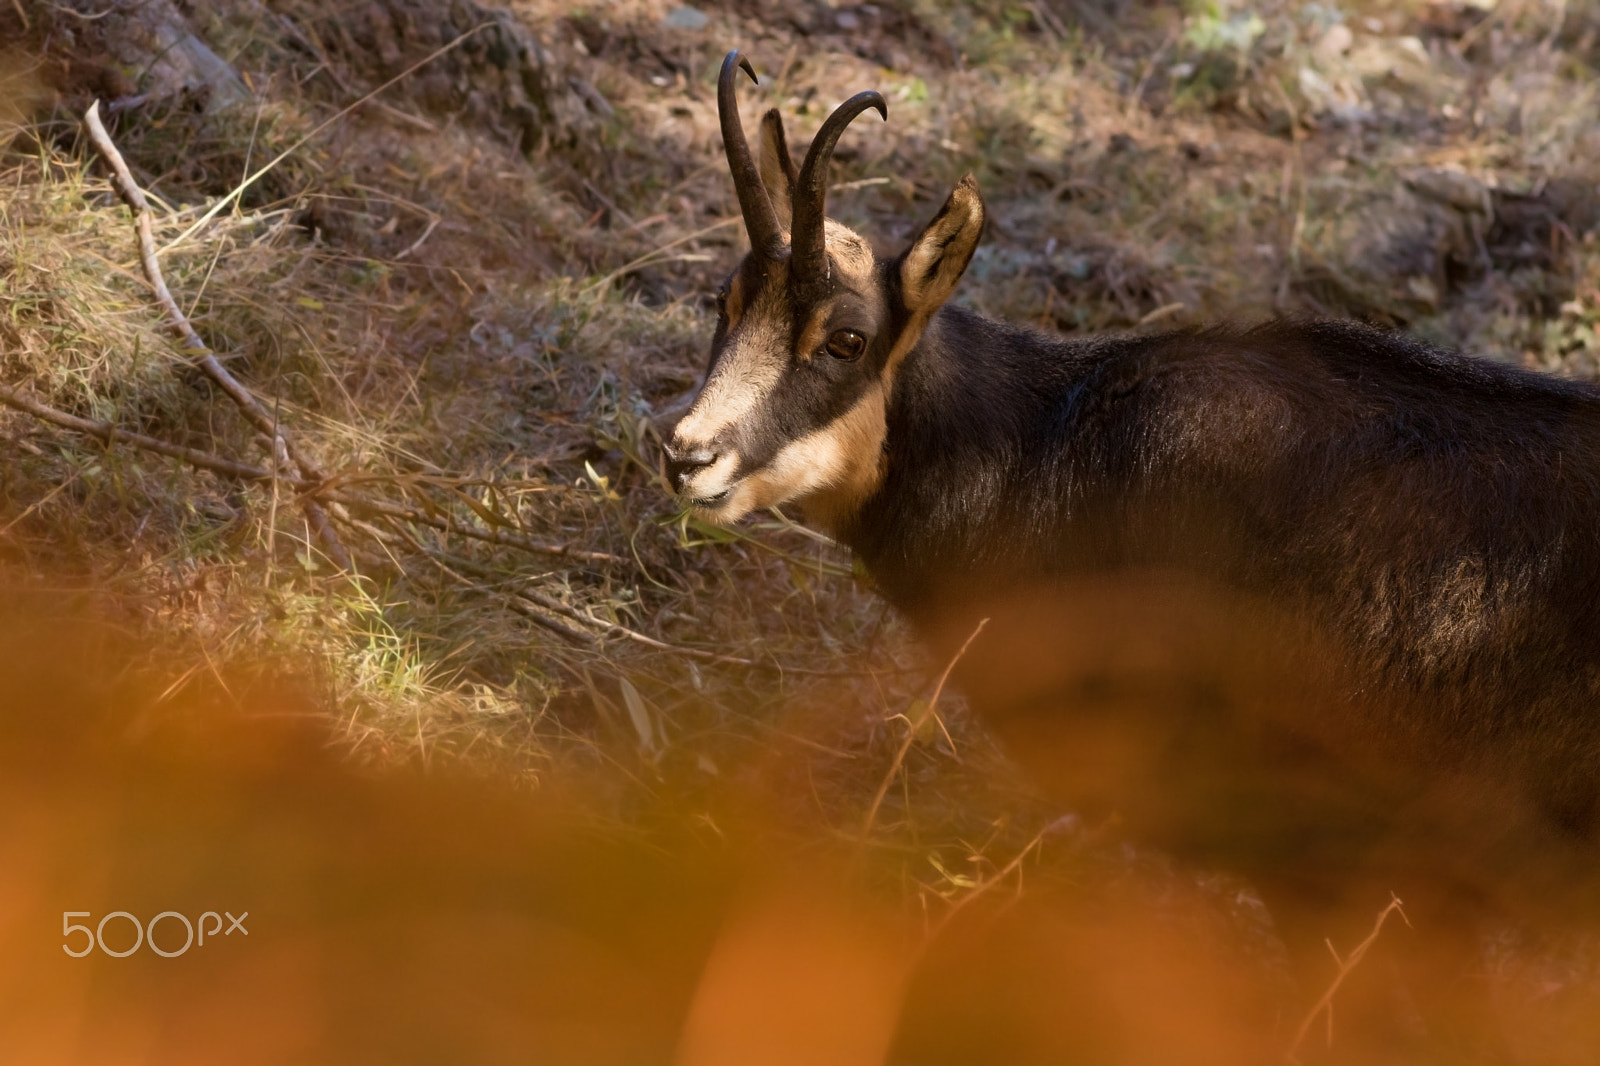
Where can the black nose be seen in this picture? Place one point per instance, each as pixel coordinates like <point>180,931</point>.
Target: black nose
<point>681,462</point>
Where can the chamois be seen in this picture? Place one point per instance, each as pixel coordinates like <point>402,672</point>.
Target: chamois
<point>1347,584</point>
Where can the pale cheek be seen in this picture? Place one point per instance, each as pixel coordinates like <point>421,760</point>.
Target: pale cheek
<point>742,502</point>
<point>803,467</point>
<point>834,462</point>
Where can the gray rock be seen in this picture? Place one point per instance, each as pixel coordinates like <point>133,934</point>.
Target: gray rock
<point>1457,188</point>
<point>686,18</point>
<point>151,45</point>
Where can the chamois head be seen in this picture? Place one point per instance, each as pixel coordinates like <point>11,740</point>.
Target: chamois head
<point>811,329</point>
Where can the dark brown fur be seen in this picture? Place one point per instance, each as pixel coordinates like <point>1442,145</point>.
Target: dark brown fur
<point>1311,600</point>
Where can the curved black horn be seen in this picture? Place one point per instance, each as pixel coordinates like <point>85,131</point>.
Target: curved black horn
<point>766,237</point>
<point>810,262</point>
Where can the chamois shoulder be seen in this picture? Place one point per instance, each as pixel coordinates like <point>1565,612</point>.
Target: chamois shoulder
<point>1230,399</point>
<point>1360,360</point>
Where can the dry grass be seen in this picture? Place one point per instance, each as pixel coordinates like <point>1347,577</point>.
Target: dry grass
<point>480,328</point>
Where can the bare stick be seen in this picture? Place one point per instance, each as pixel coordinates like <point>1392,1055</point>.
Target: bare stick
<point>553,605</point>
<point>489,536</point>
<point>555,625</point>
<point>549,603</point>
<point>911,735</point>
<point>1149,68</point>
<point>284,453</point>
<point>677,649</point>
<point>614,629</point>
<point>655,253</point>
<point>1325,1004</point>
<point>387,540</point>
<point>111,434</point>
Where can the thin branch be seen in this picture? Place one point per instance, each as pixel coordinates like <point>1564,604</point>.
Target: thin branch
<point>654,254</point>
<point>551,604</point>
<point>489,536</point>
<point>283,451</point>
<point>1325,1004</point>
<point>911,735</point>
<point>614,629</point>
<point>703,655</point>
<point>111,434</point>
<point>1132,107</point>
<point>555,625</point>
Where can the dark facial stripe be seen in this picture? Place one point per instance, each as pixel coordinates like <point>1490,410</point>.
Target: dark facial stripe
<point>807,398</point>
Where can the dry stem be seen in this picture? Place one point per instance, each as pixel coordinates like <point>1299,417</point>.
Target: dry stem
<point>1325,1004</point>
<point>911,734</point>
<point>490,536</point>
<point>984,886</point>
<point>112,434</point>
<point>552,605</point>
<point>283,451</point>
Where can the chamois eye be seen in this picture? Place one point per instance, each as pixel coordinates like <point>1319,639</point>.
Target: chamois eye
<point>846,344</point>
<point>722,302</point>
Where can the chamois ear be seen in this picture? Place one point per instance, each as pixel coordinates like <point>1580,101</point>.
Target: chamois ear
<point>939,256</point>
<point>778,172</point>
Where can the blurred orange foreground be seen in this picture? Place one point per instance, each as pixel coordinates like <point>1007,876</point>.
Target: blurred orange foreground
<point>391,917</point>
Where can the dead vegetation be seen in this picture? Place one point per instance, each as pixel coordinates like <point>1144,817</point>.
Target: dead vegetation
<point>473,299</point>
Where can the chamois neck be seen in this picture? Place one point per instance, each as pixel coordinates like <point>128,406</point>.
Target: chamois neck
<point>959,405</point>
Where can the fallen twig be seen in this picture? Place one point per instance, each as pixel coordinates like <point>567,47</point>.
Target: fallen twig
<point>326,492</point>
<point>551,604</point>
<point>489,536</point>
<point>555,625</point>
<point>110,434</point>
<point>284,452</point>
<point>656,253</point>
